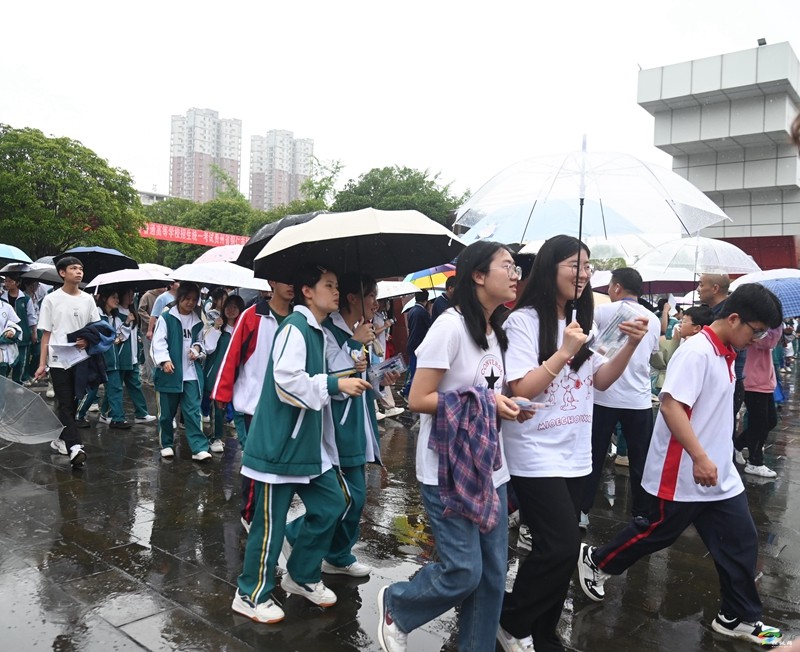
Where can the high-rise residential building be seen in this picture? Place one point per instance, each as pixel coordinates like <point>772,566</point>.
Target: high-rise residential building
<point>279,164</point>
<point>199,140</point>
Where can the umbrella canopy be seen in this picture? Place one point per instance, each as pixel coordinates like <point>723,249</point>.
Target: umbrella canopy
<point>138,279</point>
<point>223,273</point>
<point>156,268</point>
<point>260,238</point>
<point>763,275</point>
<point>680,259</point>
<point>622,194</point>
<point>24,416</point>
<point>12,254</point>
<point>392,289</point>
<point>15,268</point>
<point>381,243</point>
<point>44,273</point>
<point>788,291</point>
<point>98,260</point>
<point>223,254</point>
<point>433,277</point>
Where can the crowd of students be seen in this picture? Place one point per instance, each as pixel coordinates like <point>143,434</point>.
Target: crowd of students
<point>517,412</point>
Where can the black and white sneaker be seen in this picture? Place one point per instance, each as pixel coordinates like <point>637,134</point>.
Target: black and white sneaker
<point>756,632</point>
<point>77,456</point>
<point>591,577</point>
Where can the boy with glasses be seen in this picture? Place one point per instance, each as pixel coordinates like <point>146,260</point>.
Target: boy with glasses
<point>690,470</point>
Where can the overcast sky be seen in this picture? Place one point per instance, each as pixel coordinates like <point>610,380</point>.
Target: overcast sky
<point>458,88</point>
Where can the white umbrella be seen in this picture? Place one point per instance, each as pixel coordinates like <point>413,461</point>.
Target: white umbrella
<point>763,275</point>
<point>381,243</point>
<point>626,246</point>
<point>140,279</point>
<point>222,254</point>
<point>155,267</point>
<point>222,273</point>
<point>683,258</point>
<point>391,289</point>
<point>585,194</point>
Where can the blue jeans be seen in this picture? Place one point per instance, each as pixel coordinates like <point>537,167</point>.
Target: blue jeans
<point>412,368</point>
<point>471,573</point>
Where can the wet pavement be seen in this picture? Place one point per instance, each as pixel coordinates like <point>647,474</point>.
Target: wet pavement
<point>137,553</point>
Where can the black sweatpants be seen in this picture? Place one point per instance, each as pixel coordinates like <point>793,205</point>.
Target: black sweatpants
<point>727,530</point>
<point>762,416</point>
<point>66,403</point>
<point>533,608</point>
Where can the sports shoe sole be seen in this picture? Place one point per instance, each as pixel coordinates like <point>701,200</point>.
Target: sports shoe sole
<point>744,636</point>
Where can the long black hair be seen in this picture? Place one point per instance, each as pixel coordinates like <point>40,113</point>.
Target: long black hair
<point>477,258</point>
<point>540,294</point>
<point>307,275</point>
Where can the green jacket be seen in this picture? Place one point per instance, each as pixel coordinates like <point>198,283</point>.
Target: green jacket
<point>287,433</point>
<point>21,309</point>
<point>214,359</point>
<point>350,415</point>
<point>173,383</point>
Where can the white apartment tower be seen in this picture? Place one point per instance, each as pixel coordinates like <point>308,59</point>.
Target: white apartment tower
<point>279,164</point>
<point>199,140</point>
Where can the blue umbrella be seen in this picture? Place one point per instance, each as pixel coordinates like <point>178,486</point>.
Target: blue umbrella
<point>788,291</point>
<point>12,254</point>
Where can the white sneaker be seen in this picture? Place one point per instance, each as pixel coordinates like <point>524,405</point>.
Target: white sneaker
<point>390,638</point>
<point>356,569</point>
<point>77,456</point>
<point>394,411</point>
<point>740,457</point>
<point>583,524</point>
<point>103,418</point>
<point>756,632</point>
<point>591,577</point>
<point>59,446</point>
<point>217,446</point>
<point>167,452</point>
<point>207,419</point>
<point>50,393</point>
<point>147,418</point>
<point>202,456</point>
<point>245,525</point>
<point>94,407</point>
<point>763,471</point>
<point>511,644</point>
<point>266,612</point>
<point>317,593</point>
<point>379,416</point>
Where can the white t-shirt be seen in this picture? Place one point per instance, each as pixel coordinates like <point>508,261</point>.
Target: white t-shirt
<point>557,441</point>
<point>700,377</point>
<point>632,389</point>
<point>449,346</point>
<point>64,313</point>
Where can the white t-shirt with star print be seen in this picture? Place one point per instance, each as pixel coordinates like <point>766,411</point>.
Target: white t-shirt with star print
<point>448,346</point>
<point>557,441</point>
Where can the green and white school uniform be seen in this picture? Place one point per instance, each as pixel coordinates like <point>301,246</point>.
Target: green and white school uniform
<point>27,313</point>
<point>174,335</point>
<point>291,449</point>
<point>113,386</point>
<point>357,444</point>
<point>9,351</point>
<point>128,361</point>
<point>216,343</point>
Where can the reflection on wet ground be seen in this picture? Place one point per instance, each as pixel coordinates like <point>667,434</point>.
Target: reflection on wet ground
<point>138,553</point>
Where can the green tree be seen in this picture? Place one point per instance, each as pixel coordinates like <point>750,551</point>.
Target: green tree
<point>55,194</point>
<point>396,188</point>
<point>320,186</point>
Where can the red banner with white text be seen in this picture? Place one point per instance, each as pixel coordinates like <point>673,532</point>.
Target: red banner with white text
<point>190,236</point>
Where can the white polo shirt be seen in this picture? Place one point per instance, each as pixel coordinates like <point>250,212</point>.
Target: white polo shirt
<point>701,376</point>
<point>632,389</point>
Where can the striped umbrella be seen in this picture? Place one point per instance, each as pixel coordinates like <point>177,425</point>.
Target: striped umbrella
<point>432,277</point>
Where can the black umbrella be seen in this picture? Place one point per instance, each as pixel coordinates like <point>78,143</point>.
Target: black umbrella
<point>99,260</point>
<point>46,274</point>
<point>257,241</point>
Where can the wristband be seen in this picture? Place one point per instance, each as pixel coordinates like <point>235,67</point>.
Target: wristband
<point>548,369</point>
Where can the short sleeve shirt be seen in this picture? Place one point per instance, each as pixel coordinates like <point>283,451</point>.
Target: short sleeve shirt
<point>700,375</point>
<point>449,346</point>
<point>64,313</point>
<point>557,441</point>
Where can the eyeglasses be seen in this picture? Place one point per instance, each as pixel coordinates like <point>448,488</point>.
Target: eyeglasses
<point>758,334</point>
<point>588,268</point>
<point>513,271</point>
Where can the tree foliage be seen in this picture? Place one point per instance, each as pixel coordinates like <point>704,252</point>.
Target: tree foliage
<point>55,193</point>
<point>320,186</point>
<point>396,188</point>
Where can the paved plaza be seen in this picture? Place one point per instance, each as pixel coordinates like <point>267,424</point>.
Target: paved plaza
<point>137,553</point>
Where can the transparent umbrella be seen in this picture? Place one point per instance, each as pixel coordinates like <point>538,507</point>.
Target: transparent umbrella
<point>682,258</point>
<point>24,416</point>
